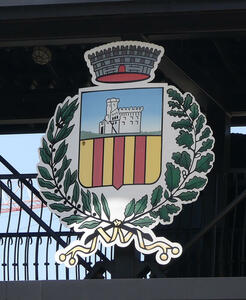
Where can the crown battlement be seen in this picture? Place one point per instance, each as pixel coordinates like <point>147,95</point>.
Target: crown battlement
<point>128,50</point>
<point>125,61</point>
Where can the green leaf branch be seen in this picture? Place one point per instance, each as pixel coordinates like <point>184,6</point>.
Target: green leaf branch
<point>60,182</point>
<point>183,184</point>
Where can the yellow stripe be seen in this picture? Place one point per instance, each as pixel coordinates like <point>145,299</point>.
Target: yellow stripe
<point>129,159</point>
<point>153,158</point>
<point>108,161</point>
<point>85,162</point>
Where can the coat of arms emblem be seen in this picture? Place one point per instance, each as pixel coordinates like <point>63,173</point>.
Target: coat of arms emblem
<point>125,155</point>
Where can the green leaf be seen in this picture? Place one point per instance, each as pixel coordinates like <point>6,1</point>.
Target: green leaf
<point>73,177</point>
<point>172,209</point>
<point>69,111</point>
<point>204,163</point>
<point>64,132</point>
<point>143,222</point>
<point>172,176</point>
<point>141,205</point>
<point>60,174</point>
<point>187,196</point>
<point>86,201</point>
<point>195,183</point>
<point>154,214</point>
<point>74,219</point>
<point>44,173</point>
<point>166,194</point>
<point>58,114</point>
<point>60,207</point>
<point>75,197</point>
<point>176,113</point>
<point>205,134</point>
<point>50,132</point>
<point>187,102</point>
<point>52,196</point>
<point>130,208</point>
<point>163,213</point>
<point>183,123</point>
<point>175,95</point>
<point>194,111</point>
<point>45,158</point>
<point>208,144</point>
<point>182,159</point>
<point>185,139</point>
<point>199,124</point>
<point>105,206</point>
<point>174,104</point>
<point>90,224</point>
<point>65,164</point>
<point>64,108</point>
<point>167,210</point>
<point>46,184</point>
<point>61,151</point>
<point>97,205</point>
<point>67,181</point>
<point>156,195</point>
<point>46,148</point>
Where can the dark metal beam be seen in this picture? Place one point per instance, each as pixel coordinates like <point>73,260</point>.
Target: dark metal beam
<point>98,20</point>
<point>218,218</point>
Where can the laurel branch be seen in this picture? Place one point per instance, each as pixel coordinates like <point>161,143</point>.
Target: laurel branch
<point>182,182</point>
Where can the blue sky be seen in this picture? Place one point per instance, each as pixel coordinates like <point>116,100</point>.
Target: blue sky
<point>20,150</point>
<point>94,106</point>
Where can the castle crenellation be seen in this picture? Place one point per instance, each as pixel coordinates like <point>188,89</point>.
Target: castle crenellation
<point>121,119</point>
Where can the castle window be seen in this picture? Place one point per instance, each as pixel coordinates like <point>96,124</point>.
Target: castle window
<point>131,122</point>
<point>123,122</point>
<point>136,122</point>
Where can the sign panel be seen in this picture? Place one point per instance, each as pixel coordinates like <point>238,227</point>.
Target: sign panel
<point>123,156</point>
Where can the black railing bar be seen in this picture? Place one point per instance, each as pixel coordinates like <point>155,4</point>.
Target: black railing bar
<point>220,216</point>
<point>20,176</point>
<point>37,234</point>
<point>39,221</point>
<point>23,180</point>
<point>237,170</point>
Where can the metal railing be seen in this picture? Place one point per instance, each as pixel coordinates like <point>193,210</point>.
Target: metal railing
<point>30,234</point>
<point>212,231</point>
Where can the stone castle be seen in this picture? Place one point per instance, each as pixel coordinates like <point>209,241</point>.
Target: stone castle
<point>120,119</point>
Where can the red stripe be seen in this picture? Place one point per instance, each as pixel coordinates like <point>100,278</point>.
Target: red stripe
<point>140,153</point>
<point>98,162</point>
<point>118,161</point>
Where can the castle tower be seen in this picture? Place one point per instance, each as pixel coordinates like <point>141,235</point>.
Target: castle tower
<point>112,104</point>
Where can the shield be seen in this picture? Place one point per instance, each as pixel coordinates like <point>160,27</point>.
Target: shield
<point>121,136</point>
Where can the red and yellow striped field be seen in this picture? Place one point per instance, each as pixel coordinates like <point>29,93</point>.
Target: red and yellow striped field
<point>120,160</point>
